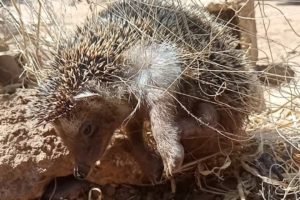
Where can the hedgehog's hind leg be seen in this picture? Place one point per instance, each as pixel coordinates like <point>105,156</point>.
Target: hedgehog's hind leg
<point>203,120</point>
<point>149,162</point>
<point>164,129</point>
<point>158,69</point>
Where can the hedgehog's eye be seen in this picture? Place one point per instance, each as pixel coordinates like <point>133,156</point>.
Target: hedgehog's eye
<point>88,129</point>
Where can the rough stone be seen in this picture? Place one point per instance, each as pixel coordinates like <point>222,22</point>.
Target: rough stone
<point>9,70</point>
<point>242,16</point>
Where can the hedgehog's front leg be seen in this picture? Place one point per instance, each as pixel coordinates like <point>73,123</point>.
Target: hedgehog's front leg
<point>164,129</point>
<point>149,162</point>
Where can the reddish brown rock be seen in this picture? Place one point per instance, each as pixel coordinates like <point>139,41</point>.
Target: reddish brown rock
<point>9,70</point>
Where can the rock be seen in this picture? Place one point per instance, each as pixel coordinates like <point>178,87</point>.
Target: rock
<point>275,74</point>
<point>241,15</point>
<point>29,157</point>
<point>9,70</point>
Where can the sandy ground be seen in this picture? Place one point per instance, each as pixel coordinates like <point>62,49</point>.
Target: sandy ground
<point>278,26</point>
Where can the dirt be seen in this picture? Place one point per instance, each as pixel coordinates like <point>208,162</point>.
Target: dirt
<point>19,141</point>
<point>67,185</point>
<point>278,31</point>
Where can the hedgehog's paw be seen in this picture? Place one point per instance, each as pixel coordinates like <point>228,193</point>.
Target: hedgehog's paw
<point>153,168</point>
<point>172,157</point>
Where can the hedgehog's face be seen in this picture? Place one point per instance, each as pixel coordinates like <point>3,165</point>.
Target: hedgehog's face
<point>87,132</point>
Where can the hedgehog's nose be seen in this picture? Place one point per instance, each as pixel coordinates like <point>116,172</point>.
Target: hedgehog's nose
<point>79,174</point>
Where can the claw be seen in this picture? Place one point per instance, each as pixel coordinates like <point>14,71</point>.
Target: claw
<point>173,159</point>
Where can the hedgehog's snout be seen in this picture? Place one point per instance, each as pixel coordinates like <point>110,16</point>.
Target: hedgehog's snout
<point>80,173</point>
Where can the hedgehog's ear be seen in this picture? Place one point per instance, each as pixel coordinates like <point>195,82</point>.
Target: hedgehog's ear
<point>84,95</point>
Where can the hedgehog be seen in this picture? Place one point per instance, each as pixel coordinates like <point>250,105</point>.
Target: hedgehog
<point>175,66</point>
